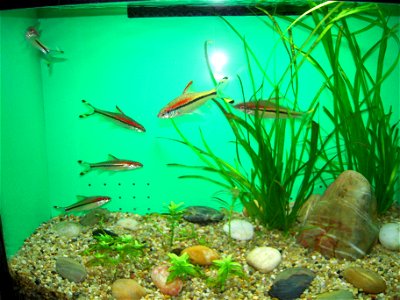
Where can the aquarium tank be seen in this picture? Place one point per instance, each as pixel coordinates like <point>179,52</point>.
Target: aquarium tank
<point>200,149</point>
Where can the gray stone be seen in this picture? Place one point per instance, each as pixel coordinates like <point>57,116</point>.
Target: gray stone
<point>67,229</point>
<point>202,215</point>
<point>128,223</point>
<point>94,216</point>
<point>70,269</point>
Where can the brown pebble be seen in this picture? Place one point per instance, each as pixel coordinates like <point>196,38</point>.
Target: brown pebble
<point>201,255</point>
<point>367,280</point>
<point>127,289</point>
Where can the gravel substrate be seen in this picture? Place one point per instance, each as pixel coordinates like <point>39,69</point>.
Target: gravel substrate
<point>33,267</point>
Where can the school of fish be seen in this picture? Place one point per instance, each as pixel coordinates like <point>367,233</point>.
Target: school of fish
<point>184,104</point>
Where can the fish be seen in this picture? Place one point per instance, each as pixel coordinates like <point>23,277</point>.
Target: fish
<point>187,102</point>
<point>86,203</point>
<point>119,116</point>
<point>32,35</point>
<point>114,164</point>
<point>267,109</point>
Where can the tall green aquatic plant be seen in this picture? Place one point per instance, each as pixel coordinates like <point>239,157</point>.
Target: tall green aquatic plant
<point>277,164</point>
<point>282,154</point>
<point>366,138</point>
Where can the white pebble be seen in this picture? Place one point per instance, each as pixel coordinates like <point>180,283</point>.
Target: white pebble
<point>389,236</point>
<point>240,230</point>
<point>128,223</point>
<point>264,259</point>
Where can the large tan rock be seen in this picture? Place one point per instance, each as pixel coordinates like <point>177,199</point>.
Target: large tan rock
<point>342,223</point>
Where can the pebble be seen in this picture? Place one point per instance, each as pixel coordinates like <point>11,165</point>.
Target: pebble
<point>201,255</point>
<point>389,236</point>
<point>264,259</point>
<point>128,223</point>
<point>70,269</point>
<point>291,283</point>
<point>241,230</point>
<point>68,229</point>
<point>367,280</point>
<point>94,216</point>
<point>127,289</point>
<point>159,276</point>
<point>336,295</point>
<point>202,215</point>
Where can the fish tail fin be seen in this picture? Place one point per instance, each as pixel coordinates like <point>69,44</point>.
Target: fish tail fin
<point>86,166</point>
<point>303,114</point>
<point>56,51</point>
<point>218,89</point>
<point>228,100</point>
<point>88,114</point>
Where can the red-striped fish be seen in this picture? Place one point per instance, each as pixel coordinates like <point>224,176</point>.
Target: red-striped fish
<point>32,35</point>
<point>114,164</point>
<point>119,116</point>
<point>187,102</point>
<point>86,203</point>
<point>267,109</point>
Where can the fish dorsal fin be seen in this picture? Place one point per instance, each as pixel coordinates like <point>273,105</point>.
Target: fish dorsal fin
<point>80,197</point>
<point>119,109</point>
<point>187,87</point>
<point>112,156</point>
<point>266,103</point>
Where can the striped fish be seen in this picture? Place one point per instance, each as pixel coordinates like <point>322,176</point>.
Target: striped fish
<point>267,109</point>
<point>188,102</point>
<point>85,203</point>
<point>117,116</point>
<point>32,35</point>
<point>114,164</point>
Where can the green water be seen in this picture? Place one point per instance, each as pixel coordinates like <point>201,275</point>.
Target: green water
<point>139,65</point>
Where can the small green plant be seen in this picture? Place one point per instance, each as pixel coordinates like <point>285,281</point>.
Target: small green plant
<point>110,250</point>
<point>226,268</point>
<point>190,232</point>
<point>229,208</point>
<point>182,268</point>
<point>175,212</point>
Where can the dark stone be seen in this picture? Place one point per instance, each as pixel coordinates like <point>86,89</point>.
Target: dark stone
<point>177,251</point>
<point>202,215</point>
<point>291,283</point>
<point>98,232</point>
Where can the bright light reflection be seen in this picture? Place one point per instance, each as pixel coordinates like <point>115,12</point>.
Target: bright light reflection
<point>218,60</point>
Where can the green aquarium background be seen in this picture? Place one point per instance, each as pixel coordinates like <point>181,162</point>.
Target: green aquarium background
<point>139,64</point>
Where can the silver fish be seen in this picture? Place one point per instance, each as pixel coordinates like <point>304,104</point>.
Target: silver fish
<point>86,203</point>
<point>115,164</point>
<point>187,102</point>
<point>32,35</point>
